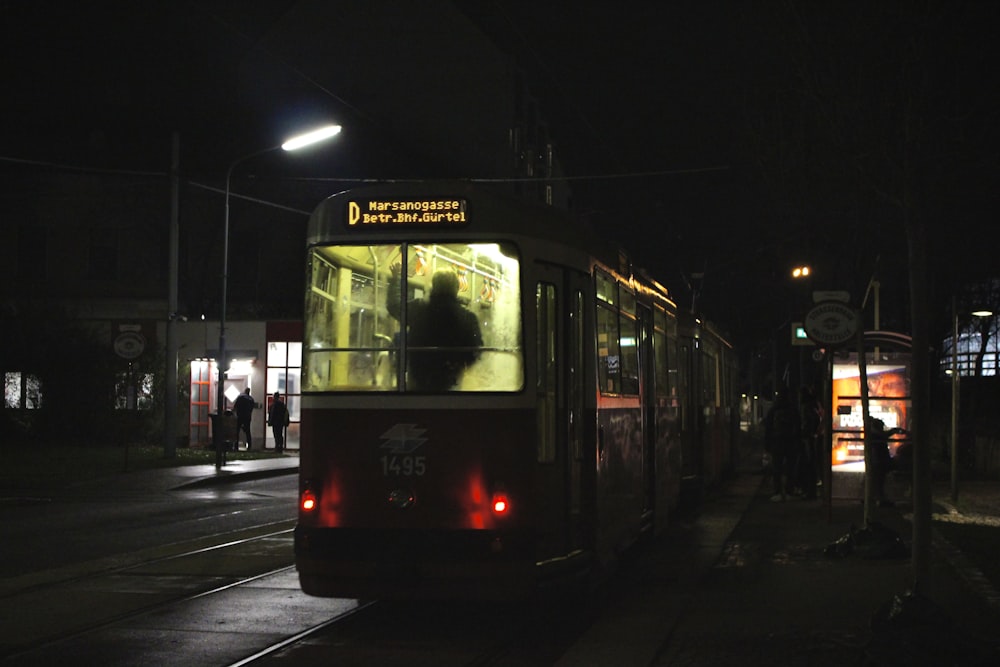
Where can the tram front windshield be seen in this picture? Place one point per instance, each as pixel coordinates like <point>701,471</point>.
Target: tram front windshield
<point>415,318</point>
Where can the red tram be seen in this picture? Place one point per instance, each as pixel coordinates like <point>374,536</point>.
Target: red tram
<point>540,449</point>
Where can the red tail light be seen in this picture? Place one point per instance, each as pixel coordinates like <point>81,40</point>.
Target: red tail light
<point>500,504</point>
<point>308,501</point>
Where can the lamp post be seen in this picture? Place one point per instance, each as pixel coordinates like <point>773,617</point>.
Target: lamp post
<point>295,143</point>
<point>801,274</point>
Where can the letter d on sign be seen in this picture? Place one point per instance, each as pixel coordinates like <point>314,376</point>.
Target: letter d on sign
<point>353,213</point>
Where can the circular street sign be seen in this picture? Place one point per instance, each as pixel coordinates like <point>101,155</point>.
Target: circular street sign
<point>831,323</point>
<point>129,345</point>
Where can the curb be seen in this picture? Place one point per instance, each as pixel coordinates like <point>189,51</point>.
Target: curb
<point>227,477</point>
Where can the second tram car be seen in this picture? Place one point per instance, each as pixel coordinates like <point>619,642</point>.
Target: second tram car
<point>492,399</point>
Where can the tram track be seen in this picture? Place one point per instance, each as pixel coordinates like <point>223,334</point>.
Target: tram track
<point>122,563</point>
<point>431,634</point>
<point>233,599</point>
<point>53,607</point>
<point>308,633</point>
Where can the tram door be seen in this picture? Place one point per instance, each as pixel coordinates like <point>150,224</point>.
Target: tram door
<point>560,304</point>
<point>575,374</point>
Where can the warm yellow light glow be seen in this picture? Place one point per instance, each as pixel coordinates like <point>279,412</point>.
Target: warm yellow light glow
<point>800,272</point>
<point>982,313</point>
<point>303,140</point>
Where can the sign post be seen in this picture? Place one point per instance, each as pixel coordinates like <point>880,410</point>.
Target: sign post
<point>129,345</point>
<point>831,323</point>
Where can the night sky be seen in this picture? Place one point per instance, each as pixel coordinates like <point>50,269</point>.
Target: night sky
<point>825,118</point>
<point>725,140</point>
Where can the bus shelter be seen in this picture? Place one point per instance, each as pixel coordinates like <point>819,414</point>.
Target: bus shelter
<point>887,368</point>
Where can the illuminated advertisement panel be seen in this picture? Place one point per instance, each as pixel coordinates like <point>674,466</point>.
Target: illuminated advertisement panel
<point>889,400</point>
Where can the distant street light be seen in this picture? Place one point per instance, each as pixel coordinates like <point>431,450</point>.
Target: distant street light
<point>799,300</point>
<point>295,143</point>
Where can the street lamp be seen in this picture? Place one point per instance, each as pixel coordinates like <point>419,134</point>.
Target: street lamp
<point>295,143</point>
<point>800,274</point>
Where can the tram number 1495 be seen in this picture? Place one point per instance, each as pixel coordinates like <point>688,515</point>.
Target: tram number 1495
<point>404,466</point>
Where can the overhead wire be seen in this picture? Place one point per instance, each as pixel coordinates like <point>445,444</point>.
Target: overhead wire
<point>348,179</point>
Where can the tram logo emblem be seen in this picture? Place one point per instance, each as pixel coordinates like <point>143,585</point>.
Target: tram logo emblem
<point>403,438</point>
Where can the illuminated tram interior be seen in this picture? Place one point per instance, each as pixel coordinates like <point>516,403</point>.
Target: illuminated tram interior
<point>354,344</point>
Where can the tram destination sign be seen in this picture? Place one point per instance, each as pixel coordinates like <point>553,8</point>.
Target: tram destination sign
<point>375,213</point>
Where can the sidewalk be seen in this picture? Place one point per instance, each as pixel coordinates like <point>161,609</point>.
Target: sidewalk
<point>747,582</point>
<point>206,475</point>
<point>161,480</point>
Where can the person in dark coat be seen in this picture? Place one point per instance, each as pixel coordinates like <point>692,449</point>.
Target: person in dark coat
<point>881,458</point>
<point>811,413</point>
<point>278,419</point>
<point>243,407</point>
<point>782,439</point>
<point>443,338</point>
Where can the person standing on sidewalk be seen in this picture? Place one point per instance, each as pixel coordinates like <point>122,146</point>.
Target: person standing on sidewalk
<point>278,419</point>
<point>782,439</point>
<point>881,459</point>
<point>812,428</point>
<point>243,407</point>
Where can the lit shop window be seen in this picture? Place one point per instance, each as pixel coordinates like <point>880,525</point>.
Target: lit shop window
<point>284,374</point>
<point>22,391</point>
<point>134,395</point>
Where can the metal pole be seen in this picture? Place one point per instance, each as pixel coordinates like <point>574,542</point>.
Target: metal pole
<point>221,395</point>
<point>955,403</point>
<point>170,382</point>
<point>292,144</point>
<point>223,361</point>
<point>866,420</point>
<point>828,434</point>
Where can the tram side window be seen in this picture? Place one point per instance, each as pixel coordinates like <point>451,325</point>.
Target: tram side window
<point>629,343</point>
<point>617,337</point>
<point>710,379</point>
<point>608,351</point>
<point>606,289</point>
<point>609,358</point>
<point>372,323</point>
